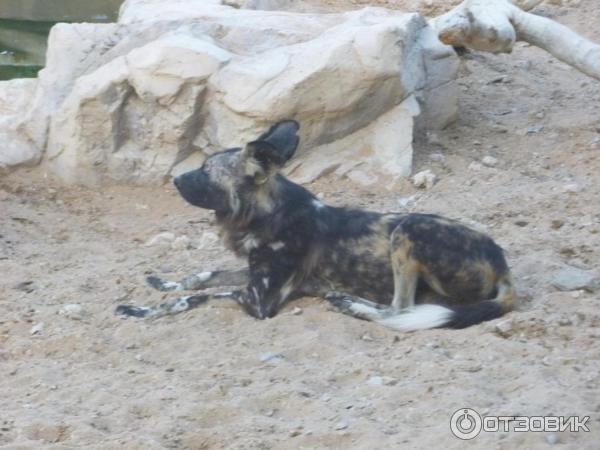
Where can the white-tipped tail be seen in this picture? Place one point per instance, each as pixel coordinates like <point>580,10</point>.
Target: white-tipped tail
<point>420,317</point>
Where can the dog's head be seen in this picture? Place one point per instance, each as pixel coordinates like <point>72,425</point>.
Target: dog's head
<point>229,177</point>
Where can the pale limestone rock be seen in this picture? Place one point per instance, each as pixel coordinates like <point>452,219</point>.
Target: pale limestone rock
<point>173,81</point>
<point>15,97</point>
<point>382,148</point>
<point>424,179</point>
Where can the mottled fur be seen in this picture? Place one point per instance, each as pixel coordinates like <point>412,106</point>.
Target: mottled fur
<point>370,265</point>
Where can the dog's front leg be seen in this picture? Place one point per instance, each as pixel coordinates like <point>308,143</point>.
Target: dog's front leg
<point>274,276</point>
<point>257,300</point>
<point>202,280</point>
<point>175,306</point>
<point>272,279</point>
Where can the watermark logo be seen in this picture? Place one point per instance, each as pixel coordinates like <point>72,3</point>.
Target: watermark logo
<point>466,423</point>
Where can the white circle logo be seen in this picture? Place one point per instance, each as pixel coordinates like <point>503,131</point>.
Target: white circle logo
<point>466,424</point>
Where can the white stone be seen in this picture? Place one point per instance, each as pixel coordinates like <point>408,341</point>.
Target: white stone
<point>571,188</point>
<point>161,239</point>
<point>37,328</point>
<point>73,311</point>
<point>489,161</point>
<point>424,179</point>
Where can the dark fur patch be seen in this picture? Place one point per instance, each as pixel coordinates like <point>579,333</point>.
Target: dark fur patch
<point>465,316</point>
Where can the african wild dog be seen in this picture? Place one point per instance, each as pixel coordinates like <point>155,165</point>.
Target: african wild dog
<point>296,246</point>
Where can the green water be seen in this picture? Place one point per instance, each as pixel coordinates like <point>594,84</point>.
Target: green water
<point>25,24</point>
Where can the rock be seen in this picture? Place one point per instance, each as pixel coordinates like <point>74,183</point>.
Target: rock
<point>37,328</point>
<point>557,224</point>
<point>572,279</point>
<point>181,243</point>
<point>475,166</point>
<point>505,328</point>
<point>296,432</point>
<point>16,97</point>
<point>73,311</point>
<point>296,311</point>
<point>424,179</point>
<point>571,188</point>
<point>172,82</point>
<point>533,129</point>
<point>341,425</point>
<point>192,162</point>
<point>164,238</point>
<point>269,356</point>
<point>405,201</point>
<point>367,156</point>
<point>16,151</point>
<point>382,381</point>
<point>489,161</point>
<point>552,438</point>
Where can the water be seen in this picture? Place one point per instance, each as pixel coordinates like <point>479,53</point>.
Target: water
<point>25,24</point>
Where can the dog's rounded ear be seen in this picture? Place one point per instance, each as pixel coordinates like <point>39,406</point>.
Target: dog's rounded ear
<point>274,147</point>
<point>283,136</point>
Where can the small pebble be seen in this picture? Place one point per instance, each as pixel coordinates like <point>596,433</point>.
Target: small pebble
<point>533,129</point>
<point>269,356</point>
<point>571,188</point>
<point>37,328</point>
<point>296,432</point>
<point>552,438</point>
<point>296,311</point>
<point>573,279</point>
<point>424,179</point>
<point>489,161</point>
<point>342,425</point>
<point>505,328</point>
<point>72,311</point>
<point>557,223</point>
<point>382,381</point>
<point>405,201</point>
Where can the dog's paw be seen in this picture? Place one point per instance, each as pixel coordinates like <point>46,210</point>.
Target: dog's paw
<point>340,300</point>
<point>131,310</point>
<point>162,285</point>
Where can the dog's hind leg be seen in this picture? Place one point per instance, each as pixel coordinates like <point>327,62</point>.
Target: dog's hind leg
<point>405,269</point>
<point>202,280</point>
<point>358,307</point>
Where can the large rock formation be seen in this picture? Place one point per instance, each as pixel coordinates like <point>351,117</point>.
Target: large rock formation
<point>175,80</point>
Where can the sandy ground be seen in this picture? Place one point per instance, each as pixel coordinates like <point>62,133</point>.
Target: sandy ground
<point>80,377</point>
